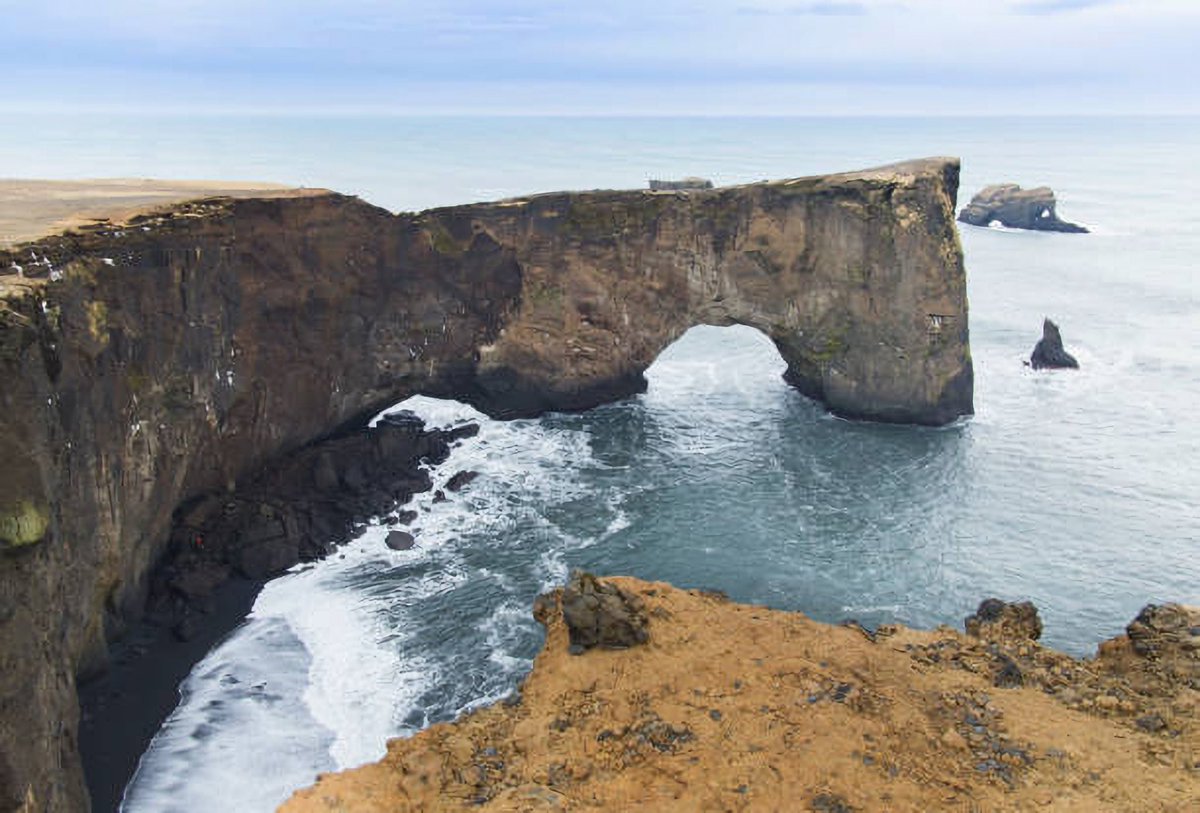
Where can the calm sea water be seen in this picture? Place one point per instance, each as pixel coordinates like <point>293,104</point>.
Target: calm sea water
<point>1076,490</point>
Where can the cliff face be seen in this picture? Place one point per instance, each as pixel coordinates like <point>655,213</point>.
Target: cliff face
<point>734,707</point>
<point>177,353</point>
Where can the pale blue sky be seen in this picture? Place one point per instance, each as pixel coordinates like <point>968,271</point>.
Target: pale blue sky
<point>783,57</point>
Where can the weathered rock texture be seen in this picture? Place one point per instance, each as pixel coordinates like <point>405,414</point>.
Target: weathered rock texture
<point>597,614</point>
<point>176,353</point>
<point>996,619</point>
<point>1049,353</point>
<point>733,707</point>
<point>1017,208</point>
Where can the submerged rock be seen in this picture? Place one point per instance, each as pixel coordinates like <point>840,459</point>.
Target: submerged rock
<point>1049,354</point>
<point>400,540</point>
<point>460,480</point>
<point>1002,620</point>
<point>1017,208</point>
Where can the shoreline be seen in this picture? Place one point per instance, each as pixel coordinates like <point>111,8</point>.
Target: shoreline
<point>224,549</point>
<point>123,709</point>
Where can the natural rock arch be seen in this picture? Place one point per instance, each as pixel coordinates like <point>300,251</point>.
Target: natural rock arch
<point>857,279</point>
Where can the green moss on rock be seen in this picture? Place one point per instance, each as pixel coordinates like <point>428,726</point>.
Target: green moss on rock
<point>23,523</point>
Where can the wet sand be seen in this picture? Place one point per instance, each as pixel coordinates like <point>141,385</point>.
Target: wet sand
<point>122,710</point>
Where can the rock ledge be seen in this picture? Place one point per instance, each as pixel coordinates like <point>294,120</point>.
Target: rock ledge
<point>734,707</point>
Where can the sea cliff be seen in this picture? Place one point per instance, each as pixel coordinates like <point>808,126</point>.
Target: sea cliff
<point>153,359</point>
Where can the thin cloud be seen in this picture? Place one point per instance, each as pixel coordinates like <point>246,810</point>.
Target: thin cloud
<point>829,8</point>
<point>1058,6</point>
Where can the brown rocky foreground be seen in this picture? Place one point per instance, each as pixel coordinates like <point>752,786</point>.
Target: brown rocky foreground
<point>735,707</point>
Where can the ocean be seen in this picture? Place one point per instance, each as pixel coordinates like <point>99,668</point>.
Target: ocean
<point>1076,490</point>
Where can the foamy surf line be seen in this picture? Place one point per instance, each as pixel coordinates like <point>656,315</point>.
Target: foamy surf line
<point>358,645</point>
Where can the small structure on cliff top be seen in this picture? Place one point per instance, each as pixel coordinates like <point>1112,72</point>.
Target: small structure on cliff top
<point>683,184</point>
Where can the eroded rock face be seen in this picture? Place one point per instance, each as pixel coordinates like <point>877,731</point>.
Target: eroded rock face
<point>175,355</point>
<point>1049,353</point>
<point>1163,630</point>
<point>1017,208</point>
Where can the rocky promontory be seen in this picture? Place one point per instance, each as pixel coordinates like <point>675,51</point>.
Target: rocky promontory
<point>155,358</point>
<point>1016,208</point>
<point>720,706</point>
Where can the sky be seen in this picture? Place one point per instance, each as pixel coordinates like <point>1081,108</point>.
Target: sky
<point>634,57</point>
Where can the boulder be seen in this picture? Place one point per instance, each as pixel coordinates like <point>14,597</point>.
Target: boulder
<point>404,517</point>
<point>461,432</point>
<point>400,540</point>
<point>267,558</point>
<point>1017,208</point>
<point>1049,354</point>
<point>1002,620</point>
<point>460,480</point>
<point>599,614</point>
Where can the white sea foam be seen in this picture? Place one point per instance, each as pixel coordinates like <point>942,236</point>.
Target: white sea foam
<point>241,738</point>
<point>343,638</point>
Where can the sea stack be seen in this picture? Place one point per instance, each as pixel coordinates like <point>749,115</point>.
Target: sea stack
<point>1049,354</point>
<point>1016,208</point>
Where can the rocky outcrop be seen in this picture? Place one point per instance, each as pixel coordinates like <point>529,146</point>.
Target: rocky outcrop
<point>996,619</point>
<point>1165,632</point>
<point>1016,208</point>
<point>735,707</point>
<point>150,362</point>
<point>597,614</point>
<point>1049,353</point>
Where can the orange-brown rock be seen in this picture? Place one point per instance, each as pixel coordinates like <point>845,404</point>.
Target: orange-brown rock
<point>733,707</point>
<point>154,358</point>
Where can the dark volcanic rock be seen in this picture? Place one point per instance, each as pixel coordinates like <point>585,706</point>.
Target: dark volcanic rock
<point>1048,353</point>
<point>1017,208</point>
<point>461,480</point>
<point>299,509</point>
<point>400,540</point>
<point>599,613</point>
<point>466,430</point>
<point>1001,620</point>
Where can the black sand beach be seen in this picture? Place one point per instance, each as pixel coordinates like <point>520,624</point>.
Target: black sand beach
<point>122,709</point>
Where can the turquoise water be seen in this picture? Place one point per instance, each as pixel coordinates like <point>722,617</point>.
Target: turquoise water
<point>1075,490</point>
